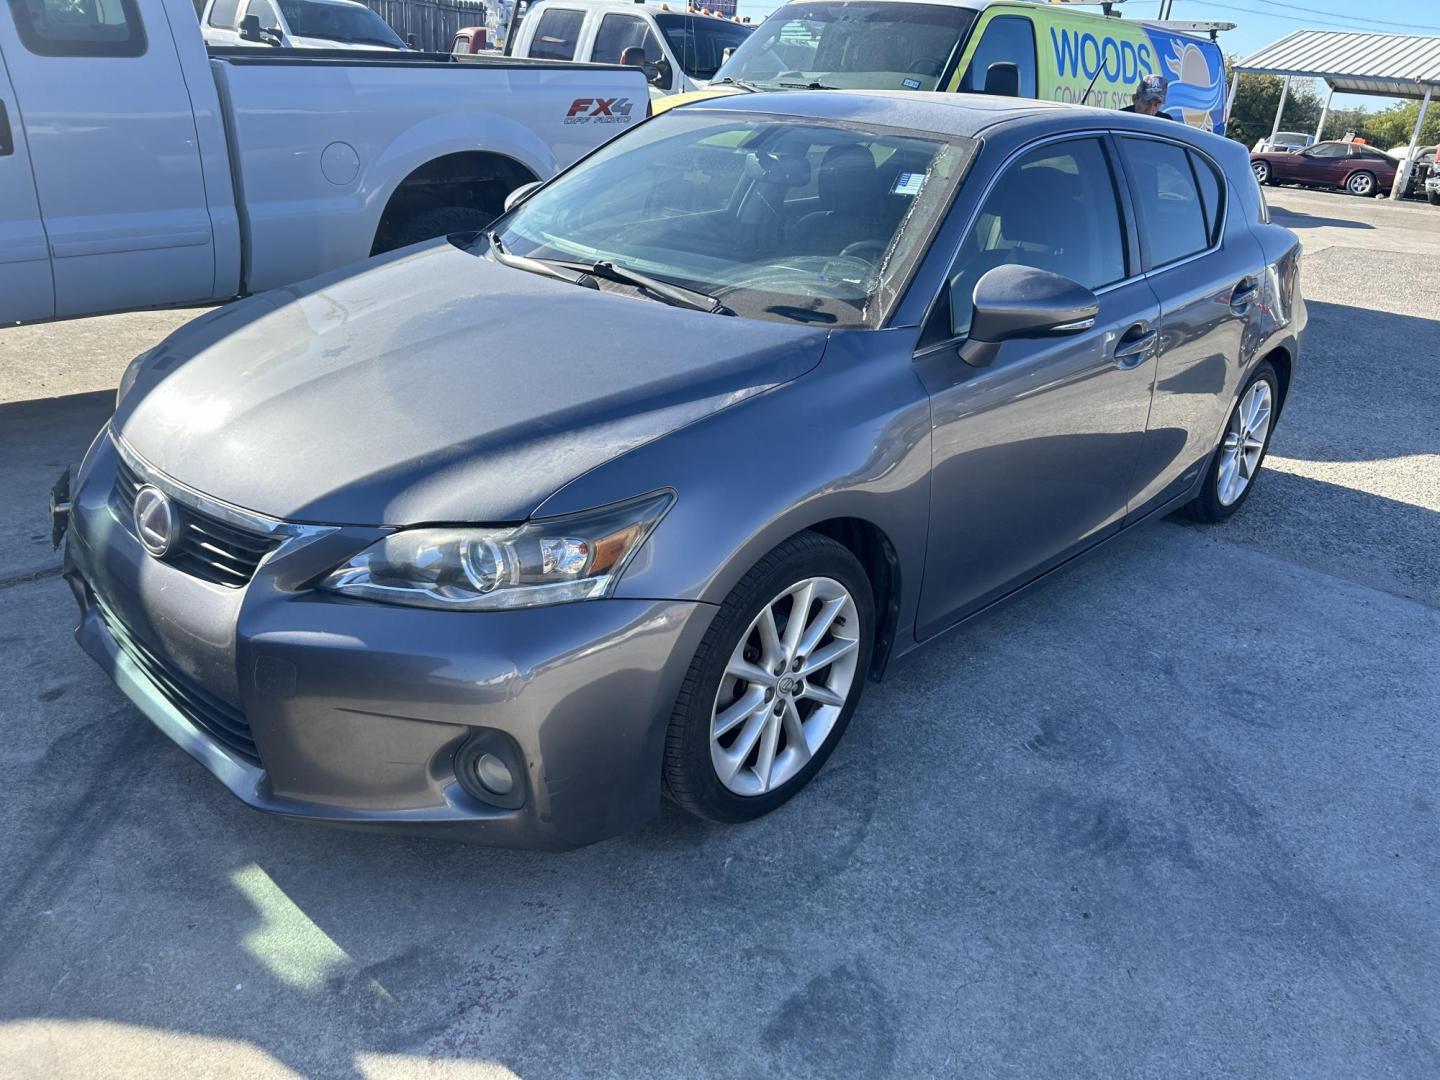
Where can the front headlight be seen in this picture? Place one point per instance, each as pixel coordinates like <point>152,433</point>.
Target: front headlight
<point>552,561</point>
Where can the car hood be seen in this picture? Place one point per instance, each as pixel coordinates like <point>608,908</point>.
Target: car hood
<point>436,387</point>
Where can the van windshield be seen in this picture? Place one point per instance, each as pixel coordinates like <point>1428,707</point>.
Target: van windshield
<point>852,45</point>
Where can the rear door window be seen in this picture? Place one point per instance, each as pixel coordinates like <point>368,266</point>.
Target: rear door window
<point>1008,39</point>
<point>1167,200</point>
<point>556,34</point>
<point>1212,196</point>
<point>79,27</point>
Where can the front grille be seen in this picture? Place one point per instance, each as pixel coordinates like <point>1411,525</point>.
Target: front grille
<point>207,548</point>
<point>222,722</point>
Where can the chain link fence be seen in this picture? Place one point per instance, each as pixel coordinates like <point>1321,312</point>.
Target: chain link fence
<point>433,22</point>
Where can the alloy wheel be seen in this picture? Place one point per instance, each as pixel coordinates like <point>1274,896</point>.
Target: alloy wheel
<point>1362,184</point>
<point>1261,171</point>
<point>1244,443</point>
<point>785,686</point>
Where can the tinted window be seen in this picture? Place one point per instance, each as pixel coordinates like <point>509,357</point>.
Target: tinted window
<point>79,27</point>
<point>556,34</point>
<point>1211,190</point>
<point>334,22</point>
<point>263,10</point>
<point>1009,39</point>
<point>620,32</point>
<point>1326,150</point>
<point>853,44</point>
<point>1055,209</point>
<point>700,43</point>
<point>1167,199</point>
<point>225,14</point>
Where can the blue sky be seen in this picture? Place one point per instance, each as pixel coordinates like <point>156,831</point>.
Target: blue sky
<point>1263,21</point>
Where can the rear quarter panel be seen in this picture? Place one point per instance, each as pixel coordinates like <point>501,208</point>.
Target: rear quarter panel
<point>318,147</point>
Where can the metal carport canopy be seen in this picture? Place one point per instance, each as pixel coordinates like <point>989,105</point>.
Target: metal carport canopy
<point>1353,62</point>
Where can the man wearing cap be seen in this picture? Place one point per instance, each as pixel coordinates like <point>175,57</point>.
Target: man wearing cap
<point>1149,97</point>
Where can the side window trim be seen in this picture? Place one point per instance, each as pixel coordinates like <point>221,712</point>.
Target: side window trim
<point>1147,267</point>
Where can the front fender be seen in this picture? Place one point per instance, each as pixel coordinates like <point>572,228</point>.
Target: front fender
<point>850,439</point>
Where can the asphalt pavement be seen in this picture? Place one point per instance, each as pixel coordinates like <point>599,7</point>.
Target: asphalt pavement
<point>1174,815</point>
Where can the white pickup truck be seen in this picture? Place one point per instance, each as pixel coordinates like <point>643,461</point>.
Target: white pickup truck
<point>138,170</point>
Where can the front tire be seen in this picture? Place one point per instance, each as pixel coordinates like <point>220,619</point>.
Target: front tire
<point>1361,183</point>
<point>774,682</point>
<point>1261,169</point>
<point>1236,463</point>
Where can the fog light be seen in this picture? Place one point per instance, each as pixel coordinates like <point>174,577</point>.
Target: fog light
<point>494,775</point>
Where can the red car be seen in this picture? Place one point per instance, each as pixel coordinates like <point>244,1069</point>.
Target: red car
<point>1359,169</point>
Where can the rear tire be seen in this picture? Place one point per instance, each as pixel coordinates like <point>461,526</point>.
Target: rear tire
<point>1434,197</point>
<point>728,723</point>
<point>1219,498</point>
<point>441,221</point>
<point>1361,183</point>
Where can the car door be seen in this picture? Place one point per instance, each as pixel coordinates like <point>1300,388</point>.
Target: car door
<point>1205,267</point>
<point>1034,456</point>
<point>114,153</point>
<point>1323,163</point>
<point>26,289</point>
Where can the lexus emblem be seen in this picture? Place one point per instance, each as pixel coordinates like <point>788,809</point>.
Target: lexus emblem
<point>156,523</point>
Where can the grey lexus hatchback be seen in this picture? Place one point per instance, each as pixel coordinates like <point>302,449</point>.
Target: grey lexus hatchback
<point>508,535</point>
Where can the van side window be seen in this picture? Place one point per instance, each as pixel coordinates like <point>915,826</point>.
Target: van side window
<point>1055,209</point>
<point>1008,39</point>
<point>79,27</point>
<point>556,35</point>
<point>225,14</point>
<point>1167,199</point>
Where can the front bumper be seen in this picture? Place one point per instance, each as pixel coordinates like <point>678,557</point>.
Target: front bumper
<point>358,713</point>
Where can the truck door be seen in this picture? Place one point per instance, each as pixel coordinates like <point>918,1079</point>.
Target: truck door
<point>26,291</point>
<point>113,149</point>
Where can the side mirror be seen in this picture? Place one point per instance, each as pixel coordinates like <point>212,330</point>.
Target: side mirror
<point>725,56</point>
<point>1020,302</point>
<point>251,30</point>
<point>516,197</point>
<point>659,73</point>
<point>412,42</point>
<point>1002,79</point>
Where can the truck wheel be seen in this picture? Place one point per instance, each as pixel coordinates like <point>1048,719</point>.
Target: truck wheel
<point>441,221</point>
<point>1434,197</point>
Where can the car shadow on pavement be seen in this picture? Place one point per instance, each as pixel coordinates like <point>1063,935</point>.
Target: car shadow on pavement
<point>1297,219</point>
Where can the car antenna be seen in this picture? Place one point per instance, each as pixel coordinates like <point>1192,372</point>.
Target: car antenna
<point>1086,96</point>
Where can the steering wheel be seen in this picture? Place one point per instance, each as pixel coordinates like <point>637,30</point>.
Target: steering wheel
<point>925,67</point>
<point>870,250</point>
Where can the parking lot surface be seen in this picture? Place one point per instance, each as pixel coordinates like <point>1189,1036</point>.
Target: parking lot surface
<point>1175,814</point>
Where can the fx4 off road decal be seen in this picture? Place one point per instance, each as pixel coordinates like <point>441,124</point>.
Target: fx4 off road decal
<point>584,110</point>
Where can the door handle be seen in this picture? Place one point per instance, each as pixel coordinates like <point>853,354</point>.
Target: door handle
<point>1241,296</point>
<point>7,140</point>
<point>1136,346</point>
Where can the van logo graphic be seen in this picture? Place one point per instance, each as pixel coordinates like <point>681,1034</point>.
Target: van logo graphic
<point>156,523</point>
<point>599,111</point>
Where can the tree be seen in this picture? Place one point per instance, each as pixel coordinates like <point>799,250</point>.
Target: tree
<point>1253,113</point>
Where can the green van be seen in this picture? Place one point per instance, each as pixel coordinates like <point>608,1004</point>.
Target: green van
<point>1051,51</point>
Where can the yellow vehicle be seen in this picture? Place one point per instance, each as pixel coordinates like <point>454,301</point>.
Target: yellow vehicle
<point>1015,47</point>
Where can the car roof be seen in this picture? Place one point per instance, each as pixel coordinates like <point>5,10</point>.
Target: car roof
<point>634,6</point>
<point>965,115</point>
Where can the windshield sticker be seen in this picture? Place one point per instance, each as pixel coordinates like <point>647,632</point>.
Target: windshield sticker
<point>908,183</point>
<point>910,84</point>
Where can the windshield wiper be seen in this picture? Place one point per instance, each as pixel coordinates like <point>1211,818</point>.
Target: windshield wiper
<point>806,86</point>
<point>741,83</point>
<point>536,266</point>
<point>676,294</point>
